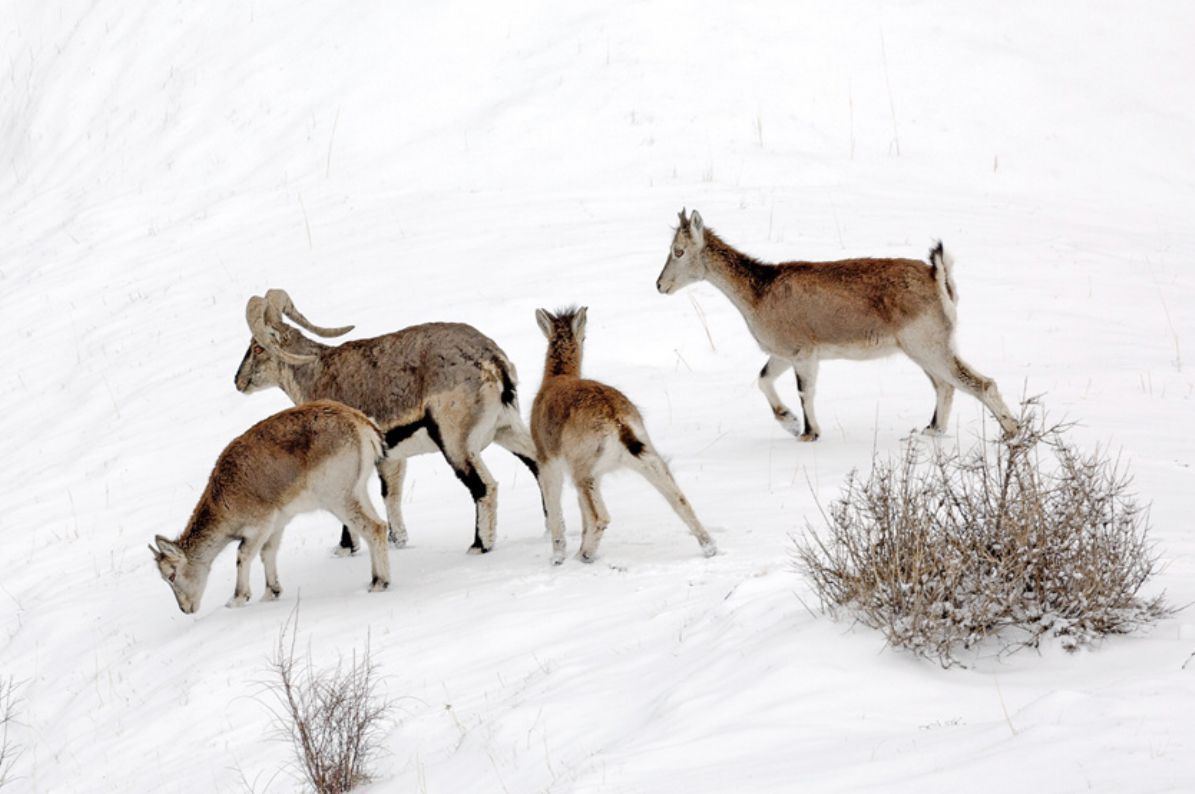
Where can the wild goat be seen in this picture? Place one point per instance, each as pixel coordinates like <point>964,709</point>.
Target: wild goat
<point>317,456</point>
<point>801,312</point>
<point>442,386</point>
<point>590,429</point>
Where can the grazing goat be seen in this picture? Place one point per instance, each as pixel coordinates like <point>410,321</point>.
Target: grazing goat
<point>591,429</point>
<point>802,312</point>
<point>317,456</point>
<point>442,386</point>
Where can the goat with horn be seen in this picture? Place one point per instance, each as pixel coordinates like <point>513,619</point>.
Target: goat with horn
<point>433,387</point>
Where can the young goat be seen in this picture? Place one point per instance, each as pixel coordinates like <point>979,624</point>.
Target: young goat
<point>591,429</point>
<point>801,312</point>
<point>436,386</point>
<point>318,456</point>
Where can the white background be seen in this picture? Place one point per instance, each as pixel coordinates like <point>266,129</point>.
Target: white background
<point>392,163</point>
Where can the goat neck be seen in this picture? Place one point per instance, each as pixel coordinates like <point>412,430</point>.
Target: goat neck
<point>563,358</point>
<point>742,278</point>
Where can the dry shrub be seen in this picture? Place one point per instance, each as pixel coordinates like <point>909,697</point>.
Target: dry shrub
<point>9,751</point>
<point>1015,540</point>
<point>334,718</point>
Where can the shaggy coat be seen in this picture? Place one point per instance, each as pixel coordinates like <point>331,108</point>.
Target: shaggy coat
<point>586,429</point>
<point>433,387</point>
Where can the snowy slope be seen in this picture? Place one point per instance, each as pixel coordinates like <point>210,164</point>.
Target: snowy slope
<point>393,163</point>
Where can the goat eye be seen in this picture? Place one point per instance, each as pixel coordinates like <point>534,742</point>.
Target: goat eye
<point>172,575</point>
<point>678,252</point>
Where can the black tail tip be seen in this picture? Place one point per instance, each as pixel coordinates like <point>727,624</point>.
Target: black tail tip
<point>633,445</point>
<point>510,394</point>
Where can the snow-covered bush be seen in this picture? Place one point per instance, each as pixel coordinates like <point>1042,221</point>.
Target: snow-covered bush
<point>333,717</point>
<point>1014,541</point>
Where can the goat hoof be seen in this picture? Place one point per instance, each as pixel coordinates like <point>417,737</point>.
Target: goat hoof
<point>378,585</point>
<point>930,430</point>
<point>345,551</point>
<point>397,539</point>
<point>709,549</point>
<point>807,437</point>
<point>558,558</point>
<point>237,601</point>
<point>586,557</point>
<point>271,594</point>
<point>791,425</point>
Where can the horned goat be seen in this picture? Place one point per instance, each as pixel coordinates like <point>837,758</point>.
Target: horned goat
<point>436,386</point>
<point>802,312</point>
<point>589,429</point>
<point>317,456</point>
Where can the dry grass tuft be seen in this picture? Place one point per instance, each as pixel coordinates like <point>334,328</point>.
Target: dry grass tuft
<point>1014,541</point>
<point>334,718</point>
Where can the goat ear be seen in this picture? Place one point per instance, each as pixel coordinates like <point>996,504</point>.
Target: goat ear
<point>153,550</point>
<point>578,323</point>
<point>545,322</point>
<point>168,548</point>
<point>684,222</point>
<point>696,226</point>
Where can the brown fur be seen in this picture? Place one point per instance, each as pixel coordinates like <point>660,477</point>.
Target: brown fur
<point>394,379</point>
<point>843,302</point>
<point>267,465</point>
<point>586,428</point>
<point>316,455</point>
<point>801,312</point>
<point>435,386</point>
<point>568,408</point>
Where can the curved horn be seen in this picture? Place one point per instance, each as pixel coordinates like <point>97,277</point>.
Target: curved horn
<point>281,302</point>
<point>267,337</point>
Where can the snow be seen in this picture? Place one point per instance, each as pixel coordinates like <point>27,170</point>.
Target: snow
<point>394,163</point>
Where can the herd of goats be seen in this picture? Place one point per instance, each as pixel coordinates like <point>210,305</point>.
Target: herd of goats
<point>372,403</point>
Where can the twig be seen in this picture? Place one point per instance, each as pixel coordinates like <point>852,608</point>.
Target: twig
<point>306,222</point>
<point>704,324</point>
<point>891,102</point>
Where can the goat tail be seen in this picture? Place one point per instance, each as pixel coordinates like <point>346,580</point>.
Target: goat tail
<point>375,443</point>
<point>942,265</point>
<point>510,380</point>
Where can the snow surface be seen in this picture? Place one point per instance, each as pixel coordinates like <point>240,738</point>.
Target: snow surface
<point>391,163</point>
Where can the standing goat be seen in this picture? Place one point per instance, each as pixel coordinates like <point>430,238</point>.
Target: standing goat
<point>802,312</point>
<point>591,429</point>
<point>442,386</point>
<point>317,456</point>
